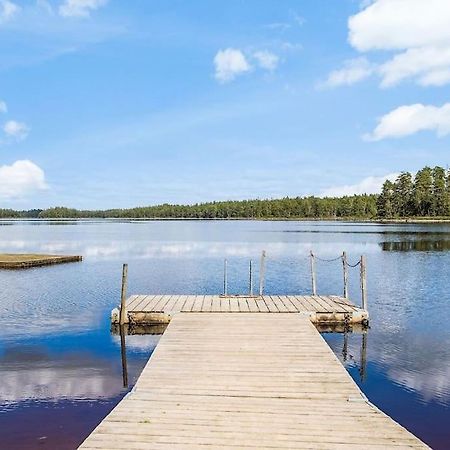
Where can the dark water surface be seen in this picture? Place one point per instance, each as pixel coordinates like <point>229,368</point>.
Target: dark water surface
<point>60,367</point>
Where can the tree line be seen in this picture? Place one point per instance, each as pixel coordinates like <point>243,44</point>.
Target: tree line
<point>427,194</point>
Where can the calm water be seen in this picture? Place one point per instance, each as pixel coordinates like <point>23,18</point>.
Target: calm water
<point>60,368</point>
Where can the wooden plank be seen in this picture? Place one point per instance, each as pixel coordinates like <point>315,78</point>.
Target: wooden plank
<point>243,305</point>
<point>270,304</point>
<point>254,380</point>
<point>252,306</point>
<point>224,304</point>
<point>168,307</point>
<point>215,303</point>
<point>187,307</point>
<point>280,305</point>
<point>198,303</point>
<point>133,301</point>
<point>182,299</point>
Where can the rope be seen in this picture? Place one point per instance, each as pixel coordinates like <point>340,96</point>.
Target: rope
<point>354,265</point>
<point>340,257</point>
<point>328,260</point>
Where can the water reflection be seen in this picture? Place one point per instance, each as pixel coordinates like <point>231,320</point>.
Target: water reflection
<point>416,246</point>
<point>123,353</point>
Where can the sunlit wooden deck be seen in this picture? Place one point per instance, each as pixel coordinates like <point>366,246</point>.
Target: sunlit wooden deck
<point>320,308</point>
<point>255,380</point>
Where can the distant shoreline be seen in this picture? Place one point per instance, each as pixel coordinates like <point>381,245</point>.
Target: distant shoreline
<point>411,220</point>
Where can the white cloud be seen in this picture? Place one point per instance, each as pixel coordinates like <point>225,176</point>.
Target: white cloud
<point>429,65</point>
<point>8,10</point>
<point>369,185</point>
<point>400,24</point>
<point>267,60</point>
<point>80,8</point>
<point>353,70</point>
<point>17,130</point>
<point>410,119</point>
<point>3,107</point>
<point>21,178</point>
<point>418,33</point>
<point>230,63</point>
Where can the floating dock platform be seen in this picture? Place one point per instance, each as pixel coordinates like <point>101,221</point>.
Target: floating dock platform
<point>25,261</point>
<point>321,309</point>
<point>249,380</point>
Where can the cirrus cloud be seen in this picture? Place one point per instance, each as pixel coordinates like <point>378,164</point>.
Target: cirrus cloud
<point>21,178</point>
<point>410,119</point>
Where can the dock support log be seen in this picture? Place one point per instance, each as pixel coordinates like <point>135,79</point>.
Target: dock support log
<point>363,283</point>
<point>262,269</point>
<point>313,274</point>
<point>345,268</point>
<point>123,309</point>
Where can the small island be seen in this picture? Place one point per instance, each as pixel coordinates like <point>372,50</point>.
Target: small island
<point>27,260</point>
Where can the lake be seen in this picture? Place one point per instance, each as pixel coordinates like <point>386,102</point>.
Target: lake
<point>60,367</point>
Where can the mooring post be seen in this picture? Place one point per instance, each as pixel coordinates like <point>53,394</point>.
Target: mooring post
<point>363,283</point>
<point>313,274</point>
<point>262,269</point>
<point>225,277</point>
<point>123,298</point>
<point>345,267</point>
<point>250,279</point>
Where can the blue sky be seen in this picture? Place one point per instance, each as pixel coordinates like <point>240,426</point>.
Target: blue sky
<point>117,104</point>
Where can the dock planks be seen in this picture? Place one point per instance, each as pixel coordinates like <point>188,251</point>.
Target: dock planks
<point>253,380</point>
<point>28,260</point>
<point>321,309</point>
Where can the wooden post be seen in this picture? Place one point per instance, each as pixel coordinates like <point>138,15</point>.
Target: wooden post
<point>123,298</point>
<point>345,267</point>
<point>250,279</point>
<point>313,274</point>
<point>262,270</point>
<point>225,277</point>
<point>363,283</point>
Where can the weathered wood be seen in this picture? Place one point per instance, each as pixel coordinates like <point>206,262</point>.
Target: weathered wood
<point>262,273</point>
<point>28,260</point>
<point>253,380</point>
<point>333,310</point>
<point>123,296</point>
<point>313,273</point>
<point>345,273</point>
<point>363,283</point>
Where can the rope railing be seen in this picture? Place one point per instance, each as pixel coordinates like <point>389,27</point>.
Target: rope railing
<point>313,258</point>
<point>345,264</point>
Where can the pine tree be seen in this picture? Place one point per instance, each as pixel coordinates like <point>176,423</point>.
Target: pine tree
<point>439,192</point>
<point>384,202</point>
<point>402,198</point>
<point>423,192</point>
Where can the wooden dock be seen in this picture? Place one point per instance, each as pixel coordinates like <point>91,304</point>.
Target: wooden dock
<point>254,380</point>
<point>27,260</point>
<point>148,309</point>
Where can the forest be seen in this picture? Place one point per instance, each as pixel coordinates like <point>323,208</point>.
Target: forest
<point>425,194</point>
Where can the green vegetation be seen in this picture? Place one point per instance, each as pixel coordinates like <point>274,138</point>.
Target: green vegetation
<point>425,195</point>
